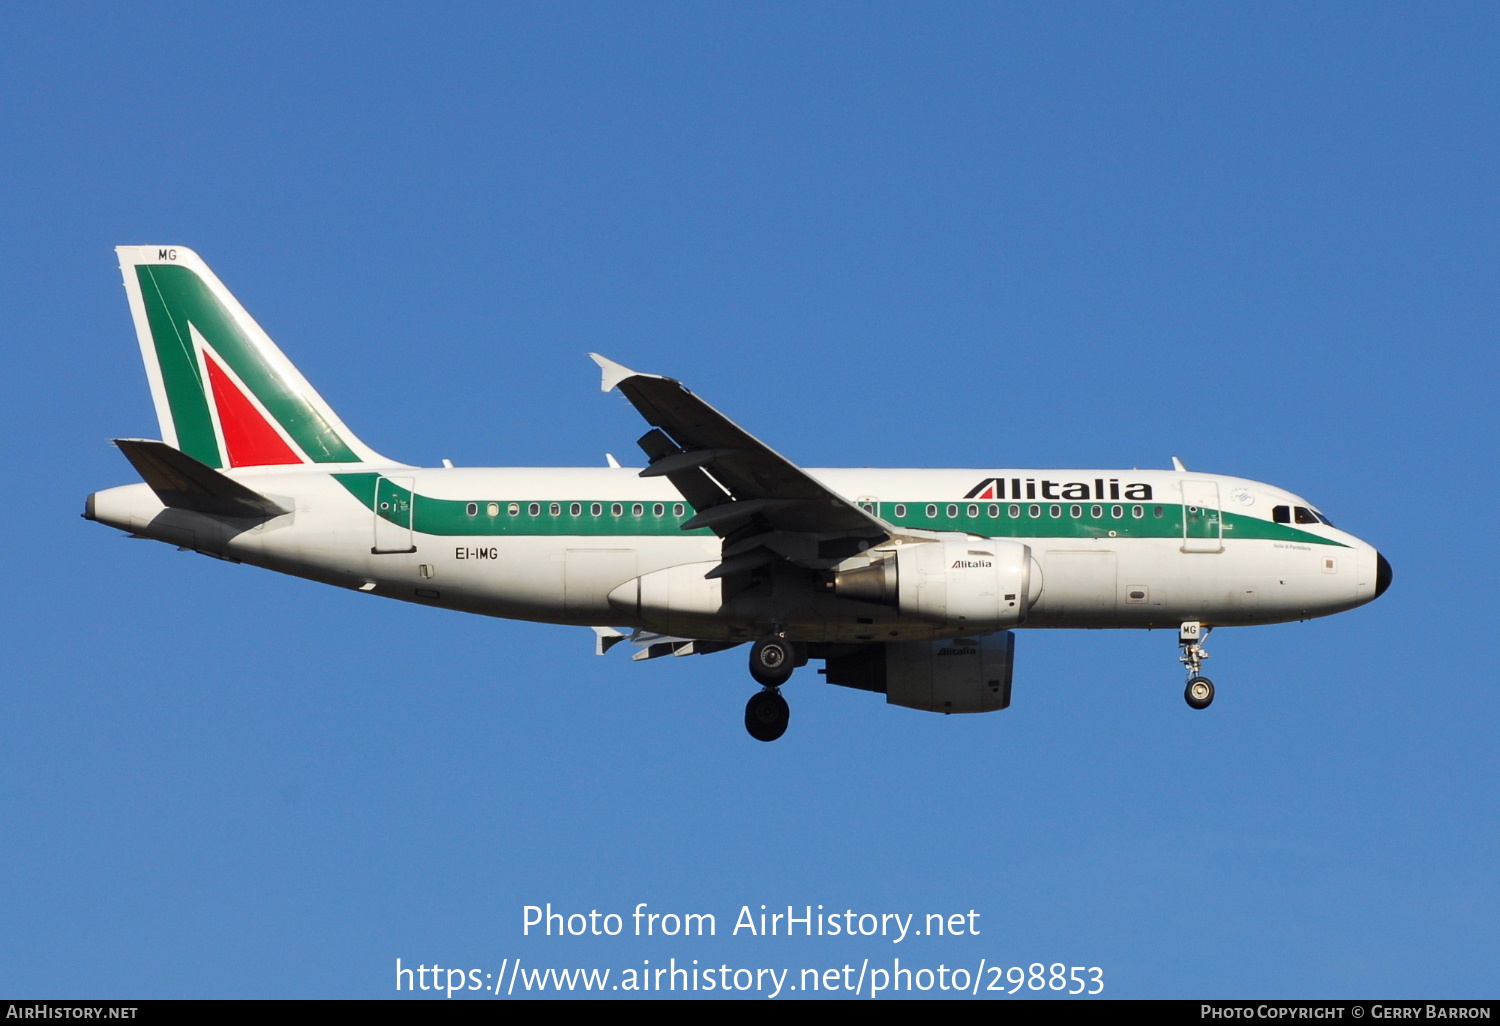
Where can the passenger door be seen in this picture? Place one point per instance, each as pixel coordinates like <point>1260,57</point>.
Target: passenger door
<point>1202,522</point>
<point>393,503</point>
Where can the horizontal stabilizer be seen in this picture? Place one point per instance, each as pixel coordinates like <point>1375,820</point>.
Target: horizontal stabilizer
<point>182,482</point>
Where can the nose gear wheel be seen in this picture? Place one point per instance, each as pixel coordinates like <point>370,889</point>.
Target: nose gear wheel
<point>1200,690</point>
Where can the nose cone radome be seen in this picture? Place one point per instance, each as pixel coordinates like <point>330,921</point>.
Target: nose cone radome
<point>1382,574</point>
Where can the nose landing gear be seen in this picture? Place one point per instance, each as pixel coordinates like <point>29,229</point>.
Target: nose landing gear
<point>1200,690</point>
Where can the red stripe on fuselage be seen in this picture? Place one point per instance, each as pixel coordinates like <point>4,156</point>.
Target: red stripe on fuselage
<point>250,439</point>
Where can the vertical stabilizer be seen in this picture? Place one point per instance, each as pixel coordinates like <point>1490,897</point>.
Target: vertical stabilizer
<point>224,393</point>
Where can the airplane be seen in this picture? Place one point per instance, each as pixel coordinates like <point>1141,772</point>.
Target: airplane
<point>909,583</point>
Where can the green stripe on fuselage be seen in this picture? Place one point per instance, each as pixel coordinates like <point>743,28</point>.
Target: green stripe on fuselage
<point>451,518</point>
<point>1107,525</point>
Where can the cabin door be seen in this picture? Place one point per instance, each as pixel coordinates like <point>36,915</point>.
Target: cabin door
<point>393,503</point>
<point>1202,521</point>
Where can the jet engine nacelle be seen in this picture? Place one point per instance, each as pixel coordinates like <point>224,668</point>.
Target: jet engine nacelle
<point>972,585</point>
<point>963,675</point>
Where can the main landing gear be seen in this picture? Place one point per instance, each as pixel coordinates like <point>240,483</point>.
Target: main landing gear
<point>1200,690</point>
<point>772,660</point>
<point>766,715</point>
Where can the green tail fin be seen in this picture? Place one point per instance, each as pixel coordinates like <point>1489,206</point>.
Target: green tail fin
<point>224,393</point>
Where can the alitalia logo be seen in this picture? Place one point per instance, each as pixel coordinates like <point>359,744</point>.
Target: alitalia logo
<point>247,434</point>
<point>228,401</point>
<point>1100,489</point>
<point>957,651</point>
<point>970,564</point>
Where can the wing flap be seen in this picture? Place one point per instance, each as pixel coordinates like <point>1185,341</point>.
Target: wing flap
<point>685,461</point>
<point>650,645</point>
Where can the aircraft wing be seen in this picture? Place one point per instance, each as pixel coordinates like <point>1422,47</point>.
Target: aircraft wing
<point>741,488</point>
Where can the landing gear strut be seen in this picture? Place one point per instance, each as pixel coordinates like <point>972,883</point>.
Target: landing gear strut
<point>1200,690</point>
<point>766,715</point>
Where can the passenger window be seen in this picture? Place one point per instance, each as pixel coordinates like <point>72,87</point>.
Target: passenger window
<point>576,509</point>
<point>472,509</point>
<point>993,511</point>
<point>596,509</point>
<point>1281,514</point>
<point>658,510</point>
<point>900,511</point>
<point>492,509</point>
<point>1097,512</point>
<point>616,510</point>
<point>973,512</point>
<point>1034,512</point>
<point>1304,515</point>
<point>1137,512</point>
<point>554,509</point>
<point>1158,512</point>
<point>514,509</point>
<point>1116,512</point>
<point>1015,512</point>
<point>1075,512</point>
<point>1056,512</point>
<point>952,512</point>
<point>677,509</point>
<point>931,512</point>
<point>535,509</point>
<point>637,510</point>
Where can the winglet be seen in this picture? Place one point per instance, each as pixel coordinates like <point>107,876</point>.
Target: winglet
<point>614,373</point>
<point>1177,465</point>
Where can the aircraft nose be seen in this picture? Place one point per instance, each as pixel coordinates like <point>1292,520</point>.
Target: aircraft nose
<point>1382,574</point>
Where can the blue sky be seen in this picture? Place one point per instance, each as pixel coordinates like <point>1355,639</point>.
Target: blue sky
<point>1260,237</point>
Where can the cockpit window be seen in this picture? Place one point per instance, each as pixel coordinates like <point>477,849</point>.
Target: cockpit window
<point>1281,514</point>
<point>1305,515</point>
<point>1321,518</point>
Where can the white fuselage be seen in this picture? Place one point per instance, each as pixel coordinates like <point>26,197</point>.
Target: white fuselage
<point>603,546</point>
